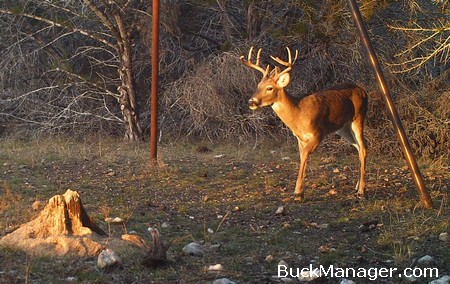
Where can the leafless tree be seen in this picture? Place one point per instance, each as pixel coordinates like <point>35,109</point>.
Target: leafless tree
<point>80,47</point>
<point>426,33</point>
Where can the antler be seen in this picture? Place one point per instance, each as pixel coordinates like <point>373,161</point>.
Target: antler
<point>289,63</point>
<point>256,66</point>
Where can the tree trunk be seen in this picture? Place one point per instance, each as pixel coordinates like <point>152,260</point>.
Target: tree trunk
<point>127,94</point>
<point>127,101</point>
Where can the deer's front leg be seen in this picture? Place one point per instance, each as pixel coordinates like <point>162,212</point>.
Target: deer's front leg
<point>305,149</point>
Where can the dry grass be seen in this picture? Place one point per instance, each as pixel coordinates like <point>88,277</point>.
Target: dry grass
<point>235,196</point>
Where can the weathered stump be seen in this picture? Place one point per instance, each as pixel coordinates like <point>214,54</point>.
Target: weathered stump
<point>62,227</point>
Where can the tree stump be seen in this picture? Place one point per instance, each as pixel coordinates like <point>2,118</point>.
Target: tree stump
<point>62,227</point>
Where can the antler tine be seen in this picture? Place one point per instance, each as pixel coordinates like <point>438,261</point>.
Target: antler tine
<point>289,55</point>
<point>249,56</point>
<point>258,56</point>
<point>256,66</point>
<point>288,63</point>
<point>296,56</point>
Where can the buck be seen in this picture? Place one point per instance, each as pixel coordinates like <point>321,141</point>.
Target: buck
<point>340,109</point>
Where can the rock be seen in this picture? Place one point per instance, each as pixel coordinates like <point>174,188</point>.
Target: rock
<point>223,281</point>
<point>193,249</point>
<point>283,263</point>
<point>444,237</point>
<point>280,211</point>
<point>426,261</point>
<point>309,275</point>
<point>211,231</point>
<point>347,281</point>
<point>410,279</point>
<point>324,249</point>
<point>215,268</point>
<point>443,280</point>
<point>269,258</point>
<point>322,226</point>
<point>286,225</point>
<point>108,258</point>
<point>332,192</point>
<point>215,246</point>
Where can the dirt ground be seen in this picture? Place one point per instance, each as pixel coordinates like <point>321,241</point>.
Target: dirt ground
<point>225,196</point>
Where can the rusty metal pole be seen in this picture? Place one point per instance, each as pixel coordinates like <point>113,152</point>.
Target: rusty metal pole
<point>425,198</point>
<point>154,88</point>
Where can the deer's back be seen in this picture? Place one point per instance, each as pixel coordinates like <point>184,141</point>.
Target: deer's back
<point>331,108</point>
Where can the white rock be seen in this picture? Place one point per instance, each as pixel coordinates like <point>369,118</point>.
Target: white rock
<point>443,280</point>
<point>347,281</point>
<point>215,246</point>
<point>108,258</point>
<point>425,261</point>
<point>193,249</point>
<point>282,262</point>
<point>216,267</point>
<point>280,210</point>
<point>444,237</point>
<point>211,231</point>
<point>223,281</point>
<point>310,275</point>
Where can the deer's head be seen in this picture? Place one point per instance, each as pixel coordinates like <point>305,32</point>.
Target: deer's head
<point>272,83</point>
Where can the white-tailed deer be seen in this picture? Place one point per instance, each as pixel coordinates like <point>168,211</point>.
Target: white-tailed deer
<point>340,109</point>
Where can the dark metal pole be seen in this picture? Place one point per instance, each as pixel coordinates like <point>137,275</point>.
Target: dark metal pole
<point>155,71</point>
<point>425,198</point>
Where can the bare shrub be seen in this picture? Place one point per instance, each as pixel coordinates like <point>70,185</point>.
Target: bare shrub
<point>212,101</point>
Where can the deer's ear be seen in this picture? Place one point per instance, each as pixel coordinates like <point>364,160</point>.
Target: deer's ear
<point>284,80</point>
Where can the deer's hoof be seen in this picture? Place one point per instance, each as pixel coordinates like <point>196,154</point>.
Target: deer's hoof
<point>361,195</point>
<point>298,197</point>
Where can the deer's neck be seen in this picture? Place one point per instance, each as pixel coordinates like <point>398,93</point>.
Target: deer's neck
<point>286,108</point>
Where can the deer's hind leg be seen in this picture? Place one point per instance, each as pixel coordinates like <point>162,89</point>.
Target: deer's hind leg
<point>353,134</point>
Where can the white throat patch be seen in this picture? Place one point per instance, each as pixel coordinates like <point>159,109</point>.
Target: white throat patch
<point>276,106</point>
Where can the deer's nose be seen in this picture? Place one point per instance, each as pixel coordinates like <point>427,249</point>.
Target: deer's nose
<point>253,103</point>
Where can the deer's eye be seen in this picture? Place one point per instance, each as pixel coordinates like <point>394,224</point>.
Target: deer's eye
<point>269,88</point>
